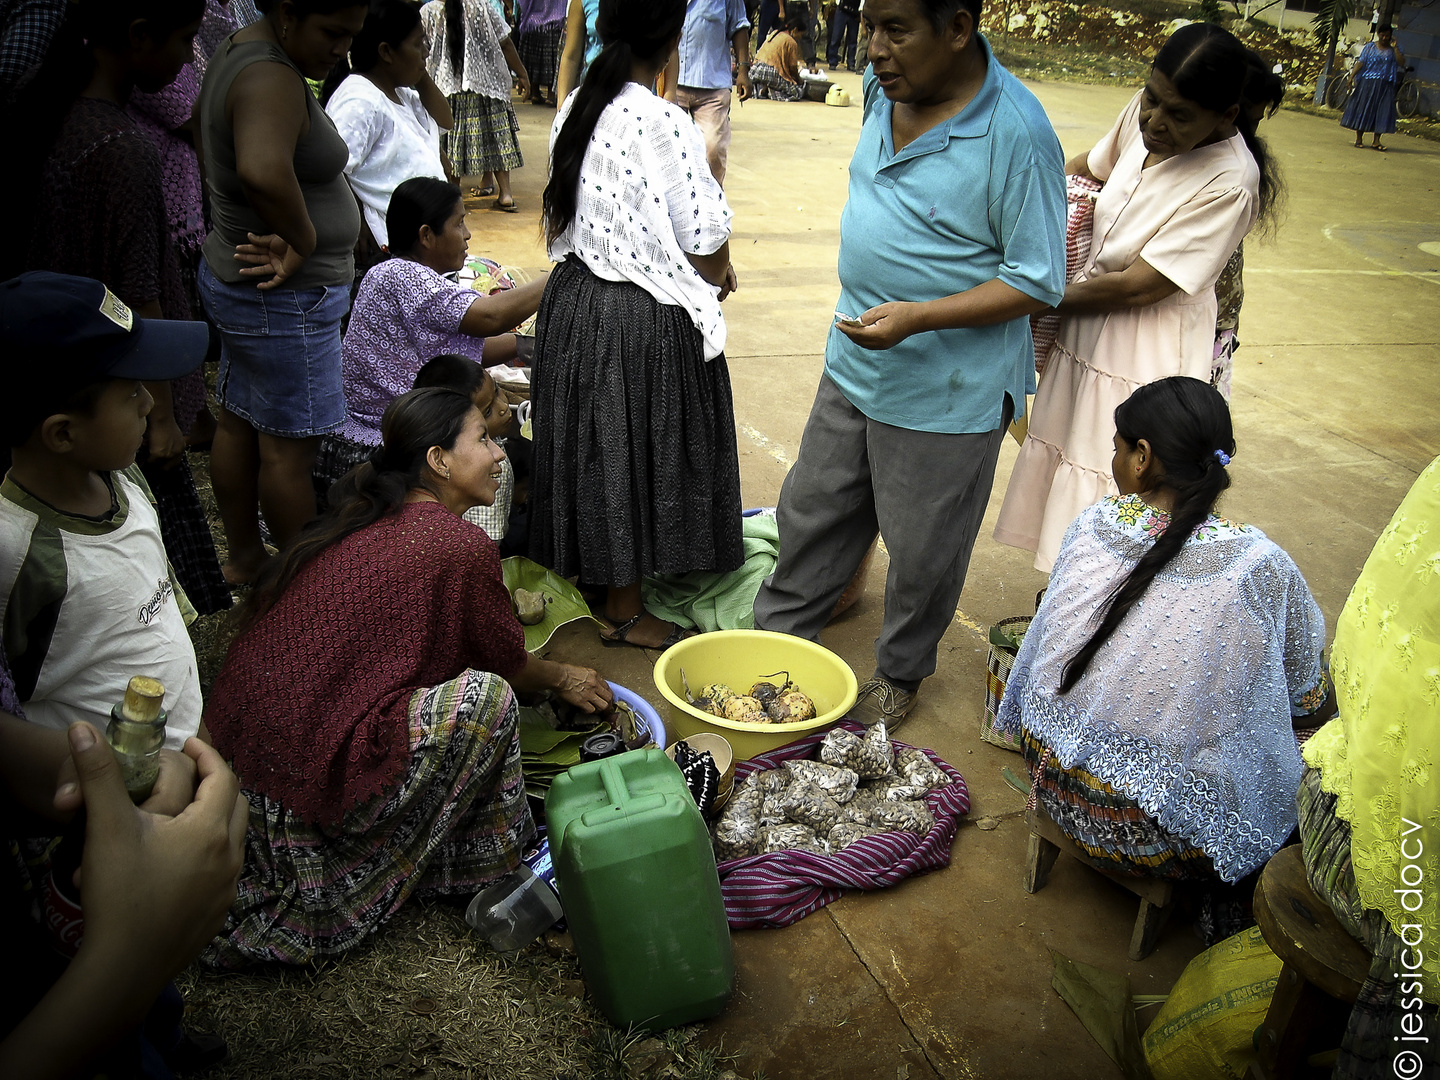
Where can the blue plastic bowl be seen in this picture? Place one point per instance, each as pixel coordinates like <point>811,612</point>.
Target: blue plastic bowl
<point>644,712</point>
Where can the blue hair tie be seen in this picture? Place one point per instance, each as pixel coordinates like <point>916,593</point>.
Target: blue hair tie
<point>1222,457</point>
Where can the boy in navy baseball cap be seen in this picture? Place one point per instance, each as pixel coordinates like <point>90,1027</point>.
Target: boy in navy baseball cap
<point>63,337</point>
<point>87,596</point>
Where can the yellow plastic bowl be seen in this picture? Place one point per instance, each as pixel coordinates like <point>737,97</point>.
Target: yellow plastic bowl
<point>740,658</point>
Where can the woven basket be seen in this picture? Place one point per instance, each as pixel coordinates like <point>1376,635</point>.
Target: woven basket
<point>997,673</point>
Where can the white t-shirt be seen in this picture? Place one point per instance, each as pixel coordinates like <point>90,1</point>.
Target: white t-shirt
<point>648,199</point>
<point>87,604</point>
<point>389,143</point>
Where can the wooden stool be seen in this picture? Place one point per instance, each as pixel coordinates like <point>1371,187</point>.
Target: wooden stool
<point>1323,966</point>
<point>1048,840</point>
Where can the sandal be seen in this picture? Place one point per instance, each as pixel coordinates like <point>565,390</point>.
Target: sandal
<point>509,207</point>
<point>1382,149</point>
<point>485,192</point>
<point>620,635</point>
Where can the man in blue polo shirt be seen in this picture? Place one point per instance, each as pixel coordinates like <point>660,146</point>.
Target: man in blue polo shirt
<point>711,27</point>
<point>953,234</point>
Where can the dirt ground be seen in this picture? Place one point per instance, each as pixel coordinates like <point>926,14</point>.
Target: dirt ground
<point>1336,411</point>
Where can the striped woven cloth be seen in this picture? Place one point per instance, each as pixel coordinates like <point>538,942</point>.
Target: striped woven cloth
<point>1080,195</point>
<point>782,887</point>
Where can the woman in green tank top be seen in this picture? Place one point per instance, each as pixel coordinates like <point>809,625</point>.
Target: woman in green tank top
<point>277,264</point>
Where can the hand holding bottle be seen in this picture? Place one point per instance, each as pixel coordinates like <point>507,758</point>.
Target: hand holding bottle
<point>174,789</point>
<point>155,888</point>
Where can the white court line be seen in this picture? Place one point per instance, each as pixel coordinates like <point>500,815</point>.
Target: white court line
<point>1329,231</point>
<point>1432,276</point>
<point>769,445</point>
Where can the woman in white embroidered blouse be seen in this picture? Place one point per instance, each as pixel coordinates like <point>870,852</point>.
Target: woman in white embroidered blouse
<point>636,470</point>
<point>389,112</point>
<point>473,60</point>
<point>1157,690</point>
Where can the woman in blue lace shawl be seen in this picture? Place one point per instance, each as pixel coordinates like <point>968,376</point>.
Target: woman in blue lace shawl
<point>1157,689</point>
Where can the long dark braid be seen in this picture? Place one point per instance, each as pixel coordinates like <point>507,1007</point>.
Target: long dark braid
<point>455,35</point>
<point>1186,422</point>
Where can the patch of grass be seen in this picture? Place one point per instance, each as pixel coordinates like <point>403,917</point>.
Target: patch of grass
<point>612,1051</point>
<point>675,1054</point>
<point>424,998</point>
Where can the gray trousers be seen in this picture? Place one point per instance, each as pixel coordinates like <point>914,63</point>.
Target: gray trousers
<point>925,493</point>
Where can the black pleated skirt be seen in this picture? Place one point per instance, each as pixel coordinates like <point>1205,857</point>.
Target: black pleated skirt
<point>636,471</point>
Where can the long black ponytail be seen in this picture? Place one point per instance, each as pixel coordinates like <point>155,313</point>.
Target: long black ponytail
<point>1209,66</point>
<point>1186,422</point>
<point>630,29</point>
<point>455,35</point>
<point>412,424</point>
<point>1265,89</point>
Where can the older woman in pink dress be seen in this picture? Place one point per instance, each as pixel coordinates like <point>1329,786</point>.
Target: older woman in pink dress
<point>1184,179</point>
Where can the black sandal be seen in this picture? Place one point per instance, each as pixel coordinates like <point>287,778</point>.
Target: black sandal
<point>619,635</point>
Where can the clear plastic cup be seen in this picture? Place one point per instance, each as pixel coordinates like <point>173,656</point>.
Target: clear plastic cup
<point>514,910</point>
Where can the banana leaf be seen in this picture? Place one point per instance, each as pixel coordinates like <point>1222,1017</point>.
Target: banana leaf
<point>540,741</point>
<point>565,606</point>
<point>1007,637</point>
<point>546,752</point>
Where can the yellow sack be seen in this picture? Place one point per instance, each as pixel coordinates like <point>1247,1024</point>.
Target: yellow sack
<point>1206,1027</point>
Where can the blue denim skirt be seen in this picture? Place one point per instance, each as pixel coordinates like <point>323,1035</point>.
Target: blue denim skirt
<point>279,354</point>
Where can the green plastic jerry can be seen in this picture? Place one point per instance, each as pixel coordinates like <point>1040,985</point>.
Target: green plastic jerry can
<point>636,874</point>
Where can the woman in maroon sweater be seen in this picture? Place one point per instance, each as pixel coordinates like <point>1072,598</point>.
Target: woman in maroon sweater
<point>367,703</point>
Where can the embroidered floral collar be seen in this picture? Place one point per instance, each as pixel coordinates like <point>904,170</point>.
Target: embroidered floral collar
<point>1135,517</point>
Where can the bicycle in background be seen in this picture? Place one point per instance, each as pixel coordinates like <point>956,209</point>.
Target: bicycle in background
<point>1407,97</point>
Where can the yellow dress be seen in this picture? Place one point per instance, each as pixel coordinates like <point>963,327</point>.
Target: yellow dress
<point>1379,756</point>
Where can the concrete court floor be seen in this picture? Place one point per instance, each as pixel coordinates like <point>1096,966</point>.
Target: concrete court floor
<point>1337,408</point>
